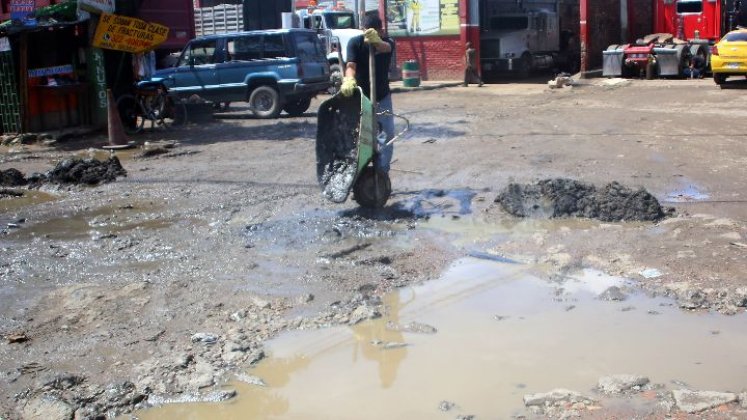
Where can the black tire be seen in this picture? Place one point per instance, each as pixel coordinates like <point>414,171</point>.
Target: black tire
<point>265,102</point>
<point>174,112</point>
<point>364,190</point>
<point>335,76</point>
<point>131,113</point>
<point>719,78</point>
<point>297,107</point>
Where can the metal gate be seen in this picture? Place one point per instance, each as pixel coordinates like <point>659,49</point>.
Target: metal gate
<point>10,107</point>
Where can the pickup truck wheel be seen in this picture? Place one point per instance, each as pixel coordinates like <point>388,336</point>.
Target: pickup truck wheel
<point>298,107</point>
<point>265,102</point>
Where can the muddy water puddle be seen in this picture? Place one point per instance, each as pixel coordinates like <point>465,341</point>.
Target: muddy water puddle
<point>10,204</point>
<point>502,332</point>
<point>95,223</point>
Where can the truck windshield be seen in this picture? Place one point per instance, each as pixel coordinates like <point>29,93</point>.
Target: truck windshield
<point>690,6</point>
<point>502,23</point>
<point>340,21</point>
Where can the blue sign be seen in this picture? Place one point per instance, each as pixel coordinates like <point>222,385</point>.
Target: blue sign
<point>21,9</point>
<point>51,71</point>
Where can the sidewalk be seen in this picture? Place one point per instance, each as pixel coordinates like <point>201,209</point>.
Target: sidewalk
<point>397,87</point>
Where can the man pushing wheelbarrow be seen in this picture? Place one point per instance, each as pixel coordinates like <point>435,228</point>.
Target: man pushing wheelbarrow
<point>356,127</point>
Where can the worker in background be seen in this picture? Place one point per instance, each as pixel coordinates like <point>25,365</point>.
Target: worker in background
<point>696,68</point>
<point>357,74</point>
<point>470,70</point>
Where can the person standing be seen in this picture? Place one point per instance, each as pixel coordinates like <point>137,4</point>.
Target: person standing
<point>416,7</point>
<point>470,70</point>
<point>357,74</point>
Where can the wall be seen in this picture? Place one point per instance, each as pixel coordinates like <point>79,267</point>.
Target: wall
<point>440,58</point>
<point>605,28</point>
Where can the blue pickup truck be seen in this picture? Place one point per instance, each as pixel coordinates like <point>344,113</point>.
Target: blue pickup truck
<point>273,70</point>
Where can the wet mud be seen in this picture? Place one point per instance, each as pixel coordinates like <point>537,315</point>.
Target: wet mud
<point>337,147</point>
<point>551,198</point>
<point>86,171</point>
<point>68,171</point>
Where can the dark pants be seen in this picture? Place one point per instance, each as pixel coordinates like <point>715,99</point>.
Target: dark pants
<point>471,76</point>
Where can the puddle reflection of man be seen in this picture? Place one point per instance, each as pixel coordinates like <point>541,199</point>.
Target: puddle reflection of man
<point>376,331</point>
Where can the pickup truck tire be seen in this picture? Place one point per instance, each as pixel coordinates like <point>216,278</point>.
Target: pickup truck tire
<point>265,102</point>
<point>297,107</point>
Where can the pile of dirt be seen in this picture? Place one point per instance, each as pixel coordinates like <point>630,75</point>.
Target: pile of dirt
<point>69,171</point>
<point>86,171</point>
<point>12,178</point>
<point>551,198</point>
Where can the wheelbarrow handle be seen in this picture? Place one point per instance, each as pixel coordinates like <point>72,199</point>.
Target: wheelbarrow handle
<point>401,133</point>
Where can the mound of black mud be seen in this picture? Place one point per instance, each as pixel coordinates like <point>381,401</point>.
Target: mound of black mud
<point>560,197</point>
<point>12,178</point>
<point>86,171</point>
<point>69,171</point>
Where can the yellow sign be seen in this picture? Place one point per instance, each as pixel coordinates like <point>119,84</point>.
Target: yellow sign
<point>128,34</point>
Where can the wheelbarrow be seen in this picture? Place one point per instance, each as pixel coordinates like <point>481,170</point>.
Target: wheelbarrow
<point>348,141</point>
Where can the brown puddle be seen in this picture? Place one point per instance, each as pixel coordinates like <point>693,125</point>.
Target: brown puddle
<point>95,223</point>
<point>502,333</point>
<point>29,198</point>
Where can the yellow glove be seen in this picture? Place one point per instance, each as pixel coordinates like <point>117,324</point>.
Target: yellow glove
<point>372,37</point>
<point>348,86</point>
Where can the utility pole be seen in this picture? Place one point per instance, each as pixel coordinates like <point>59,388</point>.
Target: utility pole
<point>361,12</point>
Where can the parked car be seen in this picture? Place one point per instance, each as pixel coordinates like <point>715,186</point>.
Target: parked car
<point>729,56</point>
<point>273,70</point>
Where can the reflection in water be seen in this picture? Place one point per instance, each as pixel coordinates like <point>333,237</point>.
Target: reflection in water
<point>371,337</point>
<point>502,333</point>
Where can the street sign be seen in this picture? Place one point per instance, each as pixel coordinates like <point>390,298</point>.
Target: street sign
<point>128,34</point>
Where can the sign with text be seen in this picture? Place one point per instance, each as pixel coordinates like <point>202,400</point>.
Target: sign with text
<point>97,6</point>
<point>20,9</point>
<point>51,71</point>
<point>128,34</point>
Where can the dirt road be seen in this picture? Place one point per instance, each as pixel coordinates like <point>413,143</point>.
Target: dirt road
<point>161,283</point>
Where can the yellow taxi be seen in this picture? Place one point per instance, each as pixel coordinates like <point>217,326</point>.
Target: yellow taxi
<point>729,56</point>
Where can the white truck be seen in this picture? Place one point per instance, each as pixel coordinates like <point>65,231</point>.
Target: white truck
<point>336,27</point>
<point>523,42</point>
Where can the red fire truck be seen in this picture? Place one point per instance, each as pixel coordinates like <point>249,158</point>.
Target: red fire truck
<point>684,28</point>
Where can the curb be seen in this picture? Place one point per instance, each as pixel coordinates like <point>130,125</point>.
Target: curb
<point>402,89</point>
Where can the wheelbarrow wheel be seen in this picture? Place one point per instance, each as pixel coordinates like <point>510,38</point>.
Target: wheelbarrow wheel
<point>365,189</point>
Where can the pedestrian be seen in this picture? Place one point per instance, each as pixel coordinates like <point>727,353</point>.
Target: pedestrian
<point>470,70</point>
<point>357,74</point>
